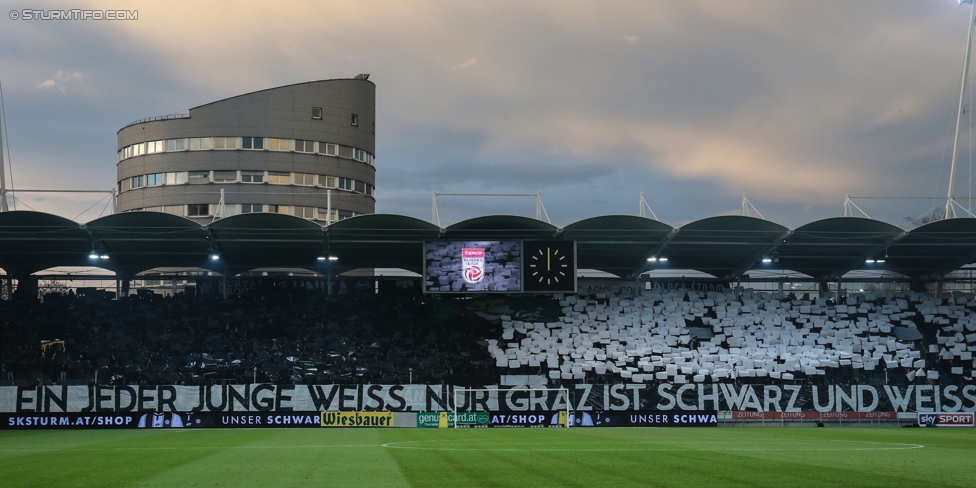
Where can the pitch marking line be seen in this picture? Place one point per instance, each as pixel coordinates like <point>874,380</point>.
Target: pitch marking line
<point>894,447</point>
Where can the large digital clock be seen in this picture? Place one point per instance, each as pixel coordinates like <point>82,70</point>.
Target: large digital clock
<point>549,266</point>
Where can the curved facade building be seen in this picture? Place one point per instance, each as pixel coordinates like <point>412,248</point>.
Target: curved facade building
<point>304,150</point>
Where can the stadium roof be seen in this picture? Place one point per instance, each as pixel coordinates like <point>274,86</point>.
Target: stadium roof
<point>724,246</point>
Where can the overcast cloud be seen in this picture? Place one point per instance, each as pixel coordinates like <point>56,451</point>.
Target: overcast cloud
<point>590,103</point>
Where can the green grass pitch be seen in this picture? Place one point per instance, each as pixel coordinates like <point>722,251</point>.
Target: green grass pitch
<point>594,457</point>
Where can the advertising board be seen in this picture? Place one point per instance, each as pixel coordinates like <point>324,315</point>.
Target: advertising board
<point>704,418</point>
<point>940,419</point>
<point>158,420</point>
<point>357,419</point>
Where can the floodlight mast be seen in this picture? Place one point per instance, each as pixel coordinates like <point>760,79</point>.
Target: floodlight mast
<point>949,209</point>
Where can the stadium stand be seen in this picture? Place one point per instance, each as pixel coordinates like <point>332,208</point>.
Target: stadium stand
<point>686,336</point>
<point>280,335</point>
<point>297,336</point>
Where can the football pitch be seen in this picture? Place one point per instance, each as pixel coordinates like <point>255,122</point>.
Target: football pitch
<point>584,457</point>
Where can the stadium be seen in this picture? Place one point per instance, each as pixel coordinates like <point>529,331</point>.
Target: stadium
<point>245,316</point>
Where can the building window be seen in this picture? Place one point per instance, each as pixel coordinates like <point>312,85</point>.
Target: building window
<point>154,147</point>
<point>175,178</point>
<point>328,149</point>
<point>345,214</point>
<point>355,120</point>
<point>327,181</point>
<point>304,146</point>
<point>324,215</point>
<point>317,113</point>
<point>198,177</point>
<point>345,152</point>
<point>304,212</point>
<point>304,179</point>
<point>252,208</point>
<point>280,209</point>
<point>369,189</point>
<point>279,144</point>
<point>225,143</point>
<point>139,149</point>
<point>154,179</point>
<point>138,182</point>
<point>361,155</point>
<point>176,144</point>
<point>225,176</point>
<point>252,177</point>
<point>279,178</point>
<point>198,210</point>
<point>252,142</point>
<point>200,143</point>
<point>346,183</point>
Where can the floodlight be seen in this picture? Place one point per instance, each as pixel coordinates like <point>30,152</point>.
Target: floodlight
<point>103,256</point>
<point>767,260</point>
<point>320,258</point>
<point>652,259</point>
<point>869,261</point>
<point>333,258</point>
<point>214,257</point>
<point>662,259</point>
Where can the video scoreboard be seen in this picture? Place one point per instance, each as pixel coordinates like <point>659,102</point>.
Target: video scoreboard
<point>500,266</point>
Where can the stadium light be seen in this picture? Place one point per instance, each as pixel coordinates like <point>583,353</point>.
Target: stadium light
<point>103,256</point>
<point>767,260</point>
<point>333,258</point>
<point>879,260</point>
<point>320,258</point>
<point>662,259</point>
<point>93,255</point>
<point>652,259</point>
<point>869,261</point>
<point>214,257</point>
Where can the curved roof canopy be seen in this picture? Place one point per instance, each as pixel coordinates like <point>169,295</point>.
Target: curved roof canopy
<point>725,246</point>
<point>826,249</point>
<point>617,244</point>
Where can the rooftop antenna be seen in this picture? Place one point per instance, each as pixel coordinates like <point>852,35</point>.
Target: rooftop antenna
<point>950,210</point>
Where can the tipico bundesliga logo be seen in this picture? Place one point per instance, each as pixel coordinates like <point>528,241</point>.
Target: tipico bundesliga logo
<point>472,265</point>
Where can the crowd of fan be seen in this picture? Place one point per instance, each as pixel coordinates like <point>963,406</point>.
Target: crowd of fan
<point>747,337</point>
<point>290,335</point>
<point>278,335</point>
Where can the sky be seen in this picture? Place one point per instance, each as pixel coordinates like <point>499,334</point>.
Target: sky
<point>590,103</point>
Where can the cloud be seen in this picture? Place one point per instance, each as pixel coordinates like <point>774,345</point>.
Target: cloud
<point>61,78</point>
<point>794,103</point>
<point>467,64</point>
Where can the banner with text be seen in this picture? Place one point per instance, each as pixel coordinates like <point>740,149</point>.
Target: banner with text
<point>435,398</point>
